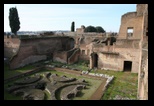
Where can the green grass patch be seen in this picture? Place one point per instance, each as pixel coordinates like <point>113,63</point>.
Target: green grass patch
<point>47,95</point>
<point>10,73</point>
<point>82,65</point>
<point>124,84</point>
<point>8,96</point>
<point>92,86</point>
<point>90,89</point>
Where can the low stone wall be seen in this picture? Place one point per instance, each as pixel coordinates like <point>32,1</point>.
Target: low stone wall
<point>23,74</point>
<point>109,78</point>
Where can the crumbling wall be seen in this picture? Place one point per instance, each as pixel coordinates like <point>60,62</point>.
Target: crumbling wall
<point>130,55</point>
<point>140,8</point>
<point>143,77</point>
<point>23,53</point>
<point>37,48</point>
<point>143,72</point>
<point>131,20</point>
<point>109,61</point>
<point>74,57</point>
<point>112,57</point>
<point>128,43</point>
<point>11,46</point>
<point>60,56</point>
<point>85,43</point>
<point>83,52</point>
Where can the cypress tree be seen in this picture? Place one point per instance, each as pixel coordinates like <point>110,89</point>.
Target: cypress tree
<point>14,20</point>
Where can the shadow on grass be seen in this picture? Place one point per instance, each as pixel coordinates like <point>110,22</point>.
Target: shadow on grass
<point>80,94</point>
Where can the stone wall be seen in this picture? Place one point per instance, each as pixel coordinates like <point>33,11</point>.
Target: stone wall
<point>143,72</point>
<point>60,56</point>
<point>74,57</point>
<point>132,55</point>
<point>128,49</point>
<point>11,46</point>
<point>79,30</point>
<point>23,53</point>
<point>143,77</point>
<point>131,20</point>
<point>116,61</point>
<point>40,46</point>
<point>128,43</point>
<point>109,61</point>
<point>112,57</point>
<point>140,8</point>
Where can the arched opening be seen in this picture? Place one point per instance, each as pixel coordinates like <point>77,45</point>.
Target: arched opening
<point>68,44</point>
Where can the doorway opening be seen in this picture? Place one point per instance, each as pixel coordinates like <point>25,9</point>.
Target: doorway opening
<point>95,60</point>
<point>127,65</point>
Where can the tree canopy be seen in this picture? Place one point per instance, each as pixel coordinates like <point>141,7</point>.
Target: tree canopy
<point>100,29</point>
<point>94,29</point>
<point>90,29</point>
<point>14,20</point>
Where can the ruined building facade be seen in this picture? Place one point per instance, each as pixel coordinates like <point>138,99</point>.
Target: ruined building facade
<point>122,55</point>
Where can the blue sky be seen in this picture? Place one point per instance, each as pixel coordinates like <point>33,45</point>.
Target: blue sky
<point>48,17</point>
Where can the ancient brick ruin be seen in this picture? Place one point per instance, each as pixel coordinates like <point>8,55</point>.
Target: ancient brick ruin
<point>127,51</point>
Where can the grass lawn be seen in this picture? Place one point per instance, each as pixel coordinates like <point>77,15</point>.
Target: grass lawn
<point>8,96</point>
<point>9,73</point>
<point>94,84</point>
<point>124,84</point>
<point>79,65</point>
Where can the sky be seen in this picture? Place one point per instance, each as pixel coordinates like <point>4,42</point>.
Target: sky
<point>50,17</point>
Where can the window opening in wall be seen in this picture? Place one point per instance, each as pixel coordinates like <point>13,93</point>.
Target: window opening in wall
<point>127,65</point>
<point>129,31</point>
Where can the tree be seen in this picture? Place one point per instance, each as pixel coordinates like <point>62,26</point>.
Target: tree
<point>72,27</point>
<point>100,29</point>
<point>90,29</point>
<point>14,20</point>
